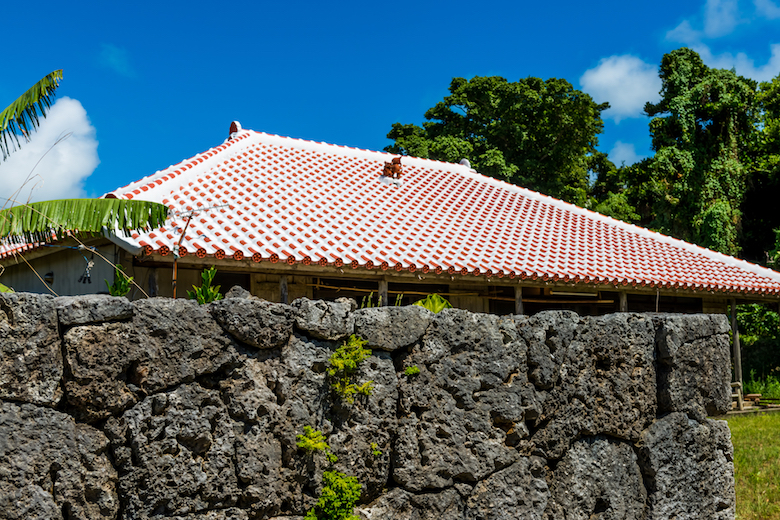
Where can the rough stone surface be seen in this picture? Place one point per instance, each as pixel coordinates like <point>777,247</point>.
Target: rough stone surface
<point>603,382</point>
<point>325,320</point>
<point>175,454</point>
<point>93,308</point>
<point>689,468</point>
<point>597,478</point>
<point>446,432</point>
<point>392,328</point>
<point>53,467</point>
<point>113,365</point>
<point>30,352</point>
<point>519,491</point>
<point>256,322</point>
<point>231,513</point>
<point>238,292</point>
<point>695,365</point>
<point>199,409</point>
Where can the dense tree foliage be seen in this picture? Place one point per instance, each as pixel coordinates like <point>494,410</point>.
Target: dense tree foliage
<point>541,134</point>
<point>761,217</point>
<point>702,131</point>
<point>712,180</point>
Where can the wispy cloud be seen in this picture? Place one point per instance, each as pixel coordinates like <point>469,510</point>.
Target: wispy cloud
<point>624,153</point>
<point>767,9</point>
<point>626,82</point>
<point>740,62</point>
<point>58,172</point>
<point>116,59</point>
<point>720,17</point>
<point>684,33</point>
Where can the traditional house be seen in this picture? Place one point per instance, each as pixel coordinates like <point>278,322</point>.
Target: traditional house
<point>286,218</point>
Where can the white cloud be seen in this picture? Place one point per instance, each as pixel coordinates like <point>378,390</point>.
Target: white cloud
<point>720,17</point>
<point>116,59</point>
<point>767,9</point>
<point>684,33</point>
<point>626,82</point>
<point>624,153</point>
<point>740,62</point>
<point>62,170</point>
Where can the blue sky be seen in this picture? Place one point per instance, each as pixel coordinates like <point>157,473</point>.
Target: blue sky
<point>148,84</point>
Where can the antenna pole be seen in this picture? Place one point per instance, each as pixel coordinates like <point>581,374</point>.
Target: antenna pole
<point>176,255</point>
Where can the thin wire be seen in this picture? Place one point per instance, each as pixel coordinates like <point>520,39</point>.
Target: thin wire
<point>39,276</point>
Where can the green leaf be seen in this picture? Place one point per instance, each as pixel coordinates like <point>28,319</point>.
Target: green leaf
<point>22,116</point>
<point>39,221</point>
<point>434,303</point>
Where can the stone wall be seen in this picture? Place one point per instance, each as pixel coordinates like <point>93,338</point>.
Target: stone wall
<point>166,409</point>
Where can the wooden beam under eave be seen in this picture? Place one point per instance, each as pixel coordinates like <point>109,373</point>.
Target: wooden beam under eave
<point>737,352</point>
<point>247,265</point>
<point>623,301</point>
<point>383,292</point>
<point>283,289</point>
<point>519,300</point>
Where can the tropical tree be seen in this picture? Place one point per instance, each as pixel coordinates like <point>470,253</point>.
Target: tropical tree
<point>23,115</point>
<point>702,131</point>
<point>540,134</point>
<point>53,220</point>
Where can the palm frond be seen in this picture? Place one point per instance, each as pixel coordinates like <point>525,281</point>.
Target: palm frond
<point>22,116</point>
<point>52,219</point>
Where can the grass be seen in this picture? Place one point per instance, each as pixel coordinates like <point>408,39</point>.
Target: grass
<point>756,439</point>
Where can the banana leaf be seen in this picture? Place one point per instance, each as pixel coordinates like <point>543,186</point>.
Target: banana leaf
<point>53,219</point>
<point>23,115</point>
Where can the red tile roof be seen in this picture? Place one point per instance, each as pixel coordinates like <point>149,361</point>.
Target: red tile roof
<point>277,199</point>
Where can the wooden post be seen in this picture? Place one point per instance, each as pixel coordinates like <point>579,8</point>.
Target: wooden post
<point>623,302</point>
<point>737,351</point>
<point>383,292</point>
<point>519,300</point>
<point>283,288</point>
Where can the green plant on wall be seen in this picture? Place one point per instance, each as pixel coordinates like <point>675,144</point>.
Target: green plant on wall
<point>122,282</point>
<point>312,441</point>
<point>206,293</point>
<point>338,498</point>
<point>343,365</point>
<point>434,303</point>
<point>375,450</point>
<point>412,370</point>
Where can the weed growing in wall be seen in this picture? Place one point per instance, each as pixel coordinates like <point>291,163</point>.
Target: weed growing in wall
<point>338,498</point>
<point>121,285</point>
<point>343,365</point>
<point>412,370</point>
<point>206,293</point>
<point>313,441</point>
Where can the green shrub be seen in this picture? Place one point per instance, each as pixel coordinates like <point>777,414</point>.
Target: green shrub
<point>343,364</point>
<point>313,441</point>
<point>121,285</point>
<point>375,450</point>
<point>768,387</point>
<point>338,498</point>
<point>759,329</point>
<point>434,303</point>
<point>206,293</point>
<point>412,370</point>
